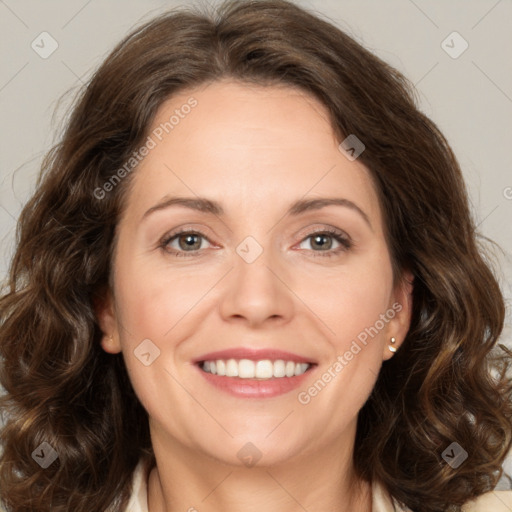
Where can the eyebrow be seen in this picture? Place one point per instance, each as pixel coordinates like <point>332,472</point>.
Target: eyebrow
<point>205,205</point>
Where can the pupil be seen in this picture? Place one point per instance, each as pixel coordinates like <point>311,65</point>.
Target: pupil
<point>189,240</point>
<point>321,237</point>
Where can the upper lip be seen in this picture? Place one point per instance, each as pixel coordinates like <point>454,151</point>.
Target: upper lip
<point>253,354</point>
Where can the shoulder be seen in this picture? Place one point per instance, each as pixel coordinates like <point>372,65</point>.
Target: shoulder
<point>139,498</point>
<point>497,501</point>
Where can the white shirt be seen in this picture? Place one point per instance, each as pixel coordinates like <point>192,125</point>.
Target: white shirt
<point>495,501</point>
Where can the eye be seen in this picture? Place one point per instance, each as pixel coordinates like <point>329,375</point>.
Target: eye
<point>189,243</point>
<point>323,239</point>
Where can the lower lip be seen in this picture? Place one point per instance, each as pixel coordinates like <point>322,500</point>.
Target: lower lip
<point>254,388</point>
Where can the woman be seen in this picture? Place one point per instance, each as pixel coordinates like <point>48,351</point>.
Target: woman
<point>249,278</point>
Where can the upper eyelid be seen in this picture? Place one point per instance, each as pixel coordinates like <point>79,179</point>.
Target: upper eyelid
<point>185,230</point>
<point>304,231</point>
<point>324,228</point>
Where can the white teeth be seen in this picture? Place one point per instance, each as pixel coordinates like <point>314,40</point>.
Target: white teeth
<point>279,368</point>
<point>221,367</point>
<point>231,368</point>
<point>248,369</point>
<point>264,369</point>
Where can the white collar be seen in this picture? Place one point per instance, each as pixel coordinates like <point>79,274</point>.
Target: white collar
<point>497,501</point>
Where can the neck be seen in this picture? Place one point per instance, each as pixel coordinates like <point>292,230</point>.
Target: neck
<point>321,480</point>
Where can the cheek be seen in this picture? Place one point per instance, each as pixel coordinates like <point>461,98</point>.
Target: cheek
<point>351,299</point>
<point>359,306</point>
<point>352,308</point>
<point>151,303</point>
<point>153,299</point>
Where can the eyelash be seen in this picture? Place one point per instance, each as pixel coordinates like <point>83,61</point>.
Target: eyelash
<point>345,243</point>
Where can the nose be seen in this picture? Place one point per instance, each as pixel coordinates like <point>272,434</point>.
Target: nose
<point>257,293</point>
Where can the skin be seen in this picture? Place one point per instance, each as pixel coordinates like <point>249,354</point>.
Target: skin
<point>255,150</point>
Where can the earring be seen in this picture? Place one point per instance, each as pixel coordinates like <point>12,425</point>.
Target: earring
<point>391,348</point>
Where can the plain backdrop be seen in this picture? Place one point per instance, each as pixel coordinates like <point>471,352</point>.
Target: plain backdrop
<point>456,53</point>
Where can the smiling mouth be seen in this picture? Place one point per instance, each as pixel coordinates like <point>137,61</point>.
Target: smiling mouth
<point>263,369</point>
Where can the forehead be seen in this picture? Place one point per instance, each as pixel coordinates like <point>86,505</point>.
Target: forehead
<point>248,145</point>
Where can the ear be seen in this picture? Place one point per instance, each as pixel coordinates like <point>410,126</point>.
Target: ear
<point>104,309</point>
<point>401,304</point>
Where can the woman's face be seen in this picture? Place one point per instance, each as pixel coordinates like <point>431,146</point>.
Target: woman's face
<point>250,276</point>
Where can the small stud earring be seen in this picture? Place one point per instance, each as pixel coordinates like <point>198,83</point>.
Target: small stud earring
<point>391,348</point>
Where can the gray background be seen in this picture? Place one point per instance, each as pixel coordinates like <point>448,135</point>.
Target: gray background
<point>469,97</point>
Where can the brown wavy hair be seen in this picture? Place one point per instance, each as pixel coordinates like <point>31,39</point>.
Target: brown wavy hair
<point>63,389</point>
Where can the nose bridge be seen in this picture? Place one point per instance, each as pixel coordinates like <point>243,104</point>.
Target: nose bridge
<point>256,290</point>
